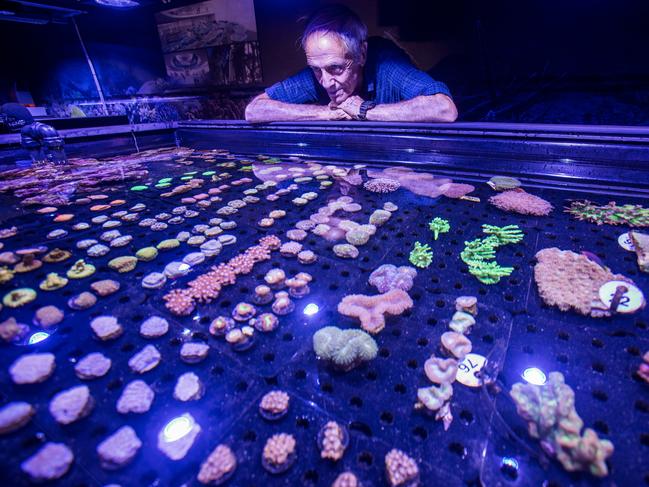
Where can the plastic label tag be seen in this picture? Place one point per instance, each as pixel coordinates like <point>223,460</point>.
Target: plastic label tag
<point>631,300</point>
<point>468,370</point>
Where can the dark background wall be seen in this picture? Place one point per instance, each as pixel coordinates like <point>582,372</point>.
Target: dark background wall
<point>577,60</point>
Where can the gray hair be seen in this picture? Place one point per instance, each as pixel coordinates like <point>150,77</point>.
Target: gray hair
<point>339,20</point>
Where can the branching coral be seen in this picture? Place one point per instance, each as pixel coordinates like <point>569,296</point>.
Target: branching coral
<point>371,310</point>
<point>477,254</point>
<point>344,349</point>
<point>550,412</point>
<point>438,225</point>
<point>421,255</point>
<point>509,234</point>
<point>631,215</point>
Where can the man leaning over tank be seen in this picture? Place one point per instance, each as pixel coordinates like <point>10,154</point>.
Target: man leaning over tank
<point>350,77</point>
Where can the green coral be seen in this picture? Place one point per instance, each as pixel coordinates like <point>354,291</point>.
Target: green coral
<point>509,234</point>
<point>344,349</point>
<point>421,256</point>
<point>478,254</point>
<point>438,225</point>
<point>489,272</point>
<point>550,412</point>
<point>631,215</point>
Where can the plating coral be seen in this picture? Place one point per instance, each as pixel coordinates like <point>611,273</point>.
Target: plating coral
<point>550,412</point>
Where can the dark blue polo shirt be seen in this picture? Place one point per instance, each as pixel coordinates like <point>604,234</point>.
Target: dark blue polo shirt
<point>388,77</point>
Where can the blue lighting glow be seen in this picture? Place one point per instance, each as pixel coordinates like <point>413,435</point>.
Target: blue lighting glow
<point>534,376</point>
<point>311,309</point>
<point>186,332</point>
<point>118,3</point>
<point>178,427</point>
<point>38,337</point>
<point>509,462</point>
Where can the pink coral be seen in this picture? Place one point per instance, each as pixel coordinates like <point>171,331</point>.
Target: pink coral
<point>456,190</point>
<point>518,201</point>
<point>382,185</point>
<point>371,310</point>
<point>179,302</point>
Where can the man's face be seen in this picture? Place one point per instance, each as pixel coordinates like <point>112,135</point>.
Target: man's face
<point>333,65</point>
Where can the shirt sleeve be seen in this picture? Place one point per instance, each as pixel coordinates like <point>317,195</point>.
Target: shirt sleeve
<point>410,82</point>
<point>300,88</point>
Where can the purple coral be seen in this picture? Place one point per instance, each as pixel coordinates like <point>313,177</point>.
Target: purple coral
<point>389,277</point>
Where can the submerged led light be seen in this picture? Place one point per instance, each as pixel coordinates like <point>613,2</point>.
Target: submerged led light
<point>178,427</point>
<point>534,376</point>
<point>186,331</point>
<point>311,309</point>
<point>38,337</point>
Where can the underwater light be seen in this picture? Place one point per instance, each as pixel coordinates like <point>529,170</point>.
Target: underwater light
<point>534,376</point>
<point>38,337</point>
<point>118,3</point>
<point>186,332</point>
<point>178,427</point>
<point>311,309</point>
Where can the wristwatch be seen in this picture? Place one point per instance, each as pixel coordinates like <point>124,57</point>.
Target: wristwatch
<point>365,107</point>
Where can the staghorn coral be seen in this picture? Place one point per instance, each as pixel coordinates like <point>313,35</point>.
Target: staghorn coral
<point>519,201</point>
<point>572,281</point>
<point>550,412</point>
<point>371,310</point>
<point>509,234</point>
<point>421,256</point>
<point>344,349</point>
<point>611,214</point>
<point>477,253</point>
<point>489,272</point>
<point>438,225</point>
<point>388,276</point>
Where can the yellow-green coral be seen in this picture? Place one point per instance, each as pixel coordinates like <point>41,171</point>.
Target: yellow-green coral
<point>421,256</point>
<point>550,412</point>
<point>438,225</point>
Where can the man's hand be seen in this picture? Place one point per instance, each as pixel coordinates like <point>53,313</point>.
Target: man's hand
<point>332,113</point>
<point>351,106</point>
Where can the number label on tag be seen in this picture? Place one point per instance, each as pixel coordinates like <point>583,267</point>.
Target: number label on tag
<point>630,301</point>
<point>468,370</point>
<point>625,242</point>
